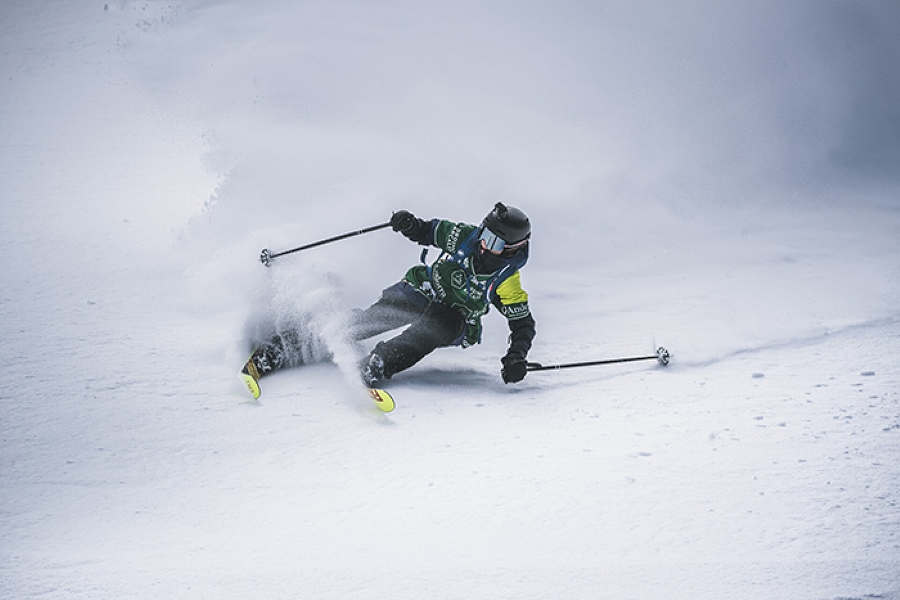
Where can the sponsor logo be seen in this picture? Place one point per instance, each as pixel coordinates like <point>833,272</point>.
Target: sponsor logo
<point>438,288</point>
<point>453,238</point>
<point>515,311</point>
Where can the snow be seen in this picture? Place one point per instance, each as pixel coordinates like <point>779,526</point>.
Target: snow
<point>716,178</point>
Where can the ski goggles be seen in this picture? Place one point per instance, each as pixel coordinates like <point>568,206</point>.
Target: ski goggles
<point>491,242</point>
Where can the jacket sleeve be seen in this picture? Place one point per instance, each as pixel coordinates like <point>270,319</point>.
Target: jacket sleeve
<point>521,334</point>
<point>512,301</point>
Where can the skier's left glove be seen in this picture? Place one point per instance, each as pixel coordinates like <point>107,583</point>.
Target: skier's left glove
<point>514,369</point>
<point>412,228</point>
<point>403,221</point>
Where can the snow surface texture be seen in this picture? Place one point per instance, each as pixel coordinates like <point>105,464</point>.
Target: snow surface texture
<point>719,178</point>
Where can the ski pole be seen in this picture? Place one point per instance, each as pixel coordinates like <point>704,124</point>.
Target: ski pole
<point>266,257</point>
<point>662,356</point>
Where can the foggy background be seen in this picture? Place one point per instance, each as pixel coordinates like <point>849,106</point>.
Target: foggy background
<point>705,139</point>
<point>581,107</point>
<point>666,152</point>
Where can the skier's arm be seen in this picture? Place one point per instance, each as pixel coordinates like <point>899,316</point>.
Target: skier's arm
<point>521,334</point>
<point>512,301</point>
<point>417,230</point>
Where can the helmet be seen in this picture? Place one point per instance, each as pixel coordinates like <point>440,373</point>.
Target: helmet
<point>508,223</point>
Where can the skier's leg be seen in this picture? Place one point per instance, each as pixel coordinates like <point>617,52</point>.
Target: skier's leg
<point>398,306</point>
<point>283,350</point>
<point>299,343</point>
<point>438,326</point>
<point>295,343</point>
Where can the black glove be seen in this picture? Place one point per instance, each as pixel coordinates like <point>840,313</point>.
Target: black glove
<point>402,221</point>
<point>514,369</point>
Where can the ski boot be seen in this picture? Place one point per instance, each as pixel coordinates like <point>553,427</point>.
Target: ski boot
<point>264,360</point>
<point>371,370</point>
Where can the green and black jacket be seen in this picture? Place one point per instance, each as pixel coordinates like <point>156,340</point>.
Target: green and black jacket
<point>469,282</point>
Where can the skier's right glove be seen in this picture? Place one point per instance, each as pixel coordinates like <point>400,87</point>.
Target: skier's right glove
<point>402,221</point>
<point>514,369</point>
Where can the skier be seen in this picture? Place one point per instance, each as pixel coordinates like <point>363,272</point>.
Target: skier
<point>441,303</point>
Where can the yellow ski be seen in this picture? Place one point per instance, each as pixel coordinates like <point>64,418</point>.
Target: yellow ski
<point>250,377</point>
<point>383,400</point>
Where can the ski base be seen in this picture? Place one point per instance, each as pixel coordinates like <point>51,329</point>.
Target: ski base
<point>383,400</point>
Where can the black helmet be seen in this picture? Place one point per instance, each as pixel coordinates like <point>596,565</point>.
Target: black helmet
<point>508,223</point>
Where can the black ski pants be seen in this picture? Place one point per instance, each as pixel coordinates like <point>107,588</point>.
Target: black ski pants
<point>431,325</point>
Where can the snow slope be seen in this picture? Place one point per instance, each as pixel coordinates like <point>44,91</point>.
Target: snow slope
<point>721,181</point>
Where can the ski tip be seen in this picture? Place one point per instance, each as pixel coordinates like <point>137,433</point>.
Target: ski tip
<point>383,400</point>
<point>252,384</point>
<point>250,377</point>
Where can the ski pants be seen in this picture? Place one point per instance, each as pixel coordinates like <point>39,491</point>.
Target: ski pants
<point>431,325</point>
